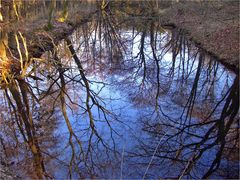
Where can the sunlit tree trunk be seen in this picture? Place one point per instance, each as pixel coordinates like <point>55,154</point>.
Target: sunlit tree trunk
<point>3,44</point>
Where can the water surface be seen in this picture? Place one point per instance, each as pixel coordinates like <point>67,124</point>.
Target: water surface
<point>127,98</point>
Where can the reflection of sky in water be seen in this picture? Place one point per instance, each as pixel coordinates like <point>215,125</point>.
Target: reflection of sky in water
<point>140,122</point>
<point>118,84</point>
<point>135,124</point>
<point>128,115</point>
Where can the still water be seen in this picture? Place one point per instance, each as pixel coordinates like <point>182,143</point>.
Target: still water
<point>123,99</point>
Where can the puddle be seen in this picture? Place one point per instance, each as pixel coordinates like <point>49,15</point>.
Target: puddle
<point>135,101</point>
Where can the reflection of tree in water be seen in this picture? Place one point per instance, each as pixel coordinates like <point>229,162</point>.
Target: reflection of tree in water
<point>34,102</point>
<point>184,144</point>
<point>28,120</point>
<point>186,140</point>
<point>160,70</point>
<point>192,75</point>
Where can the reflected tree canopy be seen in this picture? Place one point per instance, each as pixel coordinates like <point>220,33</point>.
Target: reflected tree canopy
<point>120,97</point>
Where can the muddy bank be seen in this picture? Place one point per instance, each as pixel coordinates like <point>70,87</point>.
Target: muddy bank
<point>213,26</point>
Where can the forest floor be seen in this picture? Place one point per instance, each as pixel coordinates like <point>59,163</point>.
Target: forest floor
<point>40,38</point>
<point>213,26</point>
